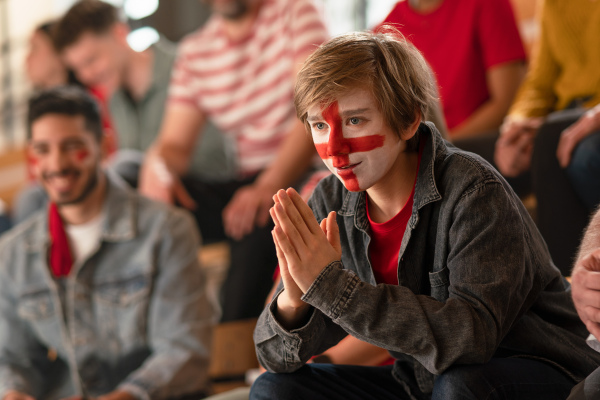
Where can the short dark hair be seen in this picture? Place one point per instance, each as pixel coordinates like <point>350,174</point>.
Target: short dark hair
<point>84,16</point>
<point>66,100</point>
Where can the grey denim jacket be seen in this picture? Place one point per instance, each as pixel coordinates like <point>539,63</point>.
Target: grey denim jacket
<point>475,281</point>
<point>133,316</point>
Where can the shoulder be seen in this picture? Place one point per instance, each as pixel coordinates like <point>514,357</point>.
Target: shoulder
<point>460,173</point>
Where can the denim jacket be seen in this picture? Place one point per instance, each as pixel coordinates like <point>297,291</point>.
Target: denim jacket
<point>476,281</point>
<point>132,316</point>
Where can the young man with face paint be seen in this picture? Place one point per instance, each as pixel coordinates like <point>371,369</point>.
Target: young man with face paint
<point>101,295</point>
<point>414,246</point>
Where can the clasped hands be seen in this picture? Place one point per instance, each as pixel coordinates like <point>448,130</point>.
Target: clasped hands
<point>304,247</point>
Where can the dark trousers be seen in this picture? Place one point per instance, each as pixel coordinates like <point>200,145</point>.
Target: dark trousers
<point>501,378</point>
<point>253,258</point>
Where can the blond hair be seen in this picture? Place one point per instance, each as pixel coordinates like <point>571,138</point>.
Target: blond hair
<point>385,63</point>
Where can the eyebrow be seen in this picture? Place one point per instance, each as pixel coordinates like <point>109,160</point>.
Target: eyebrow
<point>344,114</point>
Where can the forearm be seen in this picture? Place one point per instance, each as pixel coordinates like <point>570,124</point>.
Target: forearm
<point>486,118</point>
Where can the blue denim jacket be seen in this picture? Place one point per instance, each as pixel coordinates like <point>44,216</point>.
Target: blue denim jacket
<point>133,316</point>
<point>475,281</point>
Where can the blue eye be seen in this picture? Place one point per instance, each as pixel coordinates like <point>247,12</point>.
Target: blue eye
<point>354,121</point>
<point>320,125</point>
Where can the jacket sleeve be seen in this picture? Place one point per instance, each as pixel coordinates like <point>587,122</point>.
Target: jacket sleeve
<point>181,318</point>
<point>490,286</point>
<point>280,350</point>
<point>19,349</point>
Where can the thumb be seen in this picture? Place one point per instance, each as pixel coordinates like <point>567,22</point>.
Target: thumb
<point>333,232</point>
<point>182,196</point>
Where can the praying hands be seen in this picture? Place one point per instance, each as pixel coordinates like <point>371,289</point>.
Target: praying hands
<point>304,249</point>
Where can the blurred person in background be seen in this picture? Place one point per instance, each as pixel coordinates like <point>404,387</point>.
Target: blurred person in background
<point>552,131</point>
<point>92,40</point>
<point>45,69</point>
<point>101,294</point>
<point>239,72</point>
<point>475,50</point>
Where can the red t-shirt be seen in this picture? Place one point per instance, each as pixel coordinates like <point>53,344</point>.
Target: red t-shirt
<point>386,237</point>
<point>461,40</point>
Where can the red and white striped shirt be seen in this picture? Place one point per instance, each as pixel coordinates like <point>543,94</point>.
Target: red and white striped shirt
<point>246,87</point>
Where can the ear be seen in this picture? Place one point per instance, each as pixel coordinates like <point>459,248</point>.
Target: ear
<point>412,129</point>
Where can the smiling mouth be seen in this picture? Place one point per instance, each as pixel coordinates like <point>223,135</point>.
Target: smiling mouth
<point>346,169</point>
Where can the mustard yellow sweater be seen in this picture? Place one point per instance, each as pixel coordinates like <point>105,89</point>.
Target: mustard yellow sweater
<point>566,61</point>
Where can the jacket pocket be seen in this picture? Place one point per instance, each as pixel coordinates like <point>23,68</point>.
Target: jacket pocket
<point>36,306</point>
<point>439,281</point>
<point>121,308</point>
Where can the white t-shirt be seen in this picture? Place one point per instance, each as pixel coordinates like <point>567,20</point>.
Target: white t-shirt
<point>84,238</point>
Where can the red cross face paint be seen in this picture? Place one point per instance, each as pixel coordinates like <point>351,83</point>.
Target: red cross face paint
<point>353,140</point>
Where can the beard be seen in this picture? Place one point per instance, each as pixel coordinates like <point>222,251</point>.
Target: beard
<point>88,188</point>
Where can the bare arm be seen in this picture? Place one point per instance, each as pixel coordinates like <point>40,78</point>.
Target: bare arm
<point>170,155</point>
<point>503,81</point>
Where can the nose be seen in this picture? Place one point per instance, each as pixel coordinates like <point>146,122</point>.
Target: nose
<point>56,160</point>
<point>337,144</point>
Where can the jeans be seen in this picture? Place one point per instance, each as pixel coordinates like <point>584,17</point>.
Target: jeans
<point>501,378</point>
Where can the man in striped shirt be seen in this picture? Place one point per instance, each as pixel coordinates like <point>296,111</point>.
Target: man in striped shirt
<point>239,72</point>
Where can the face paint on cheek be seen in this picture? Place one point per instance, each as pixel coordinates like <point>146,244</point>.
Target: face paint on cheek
<point>338,148</point>
<point>82,155</point>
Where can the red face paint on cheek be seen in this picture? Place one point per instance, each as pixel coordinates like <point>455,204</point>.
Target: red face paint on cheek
<point>338,147</point>
<point>81,155</point>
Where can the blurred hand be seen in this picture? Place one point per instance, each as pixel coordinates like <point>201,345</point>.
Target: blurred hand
<point>248,208</point>
<point>14,395</point>
<point>158,183</point>
<point>585,288</point>
<point>570,137</point>
<point>514,147</point>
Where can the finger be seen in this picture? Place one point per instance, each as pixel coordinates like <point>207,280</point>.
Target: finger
<point>294,216</point>
<point>183,197</point>
<point>274,216</point>
<point>286,226</point>
<point>333,232</point>
<point>304,210</point>
<point>280,255</point>
<point>593,328</point>
<point>592,313</point>
<point>286,246</point>
<point>323,225</point>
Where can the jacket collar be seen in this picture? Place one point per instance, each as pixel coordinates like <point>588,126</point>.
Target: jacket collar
<point>426,190</point>
<point>119,217</point>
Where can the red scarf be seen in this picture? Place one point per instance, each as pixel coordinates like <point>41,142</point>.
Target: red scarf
<point>61,259</point>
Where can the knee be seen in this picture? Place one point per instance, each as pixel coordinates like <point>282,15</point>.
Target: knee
<point>457,383</point>
<point>268,386</point>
